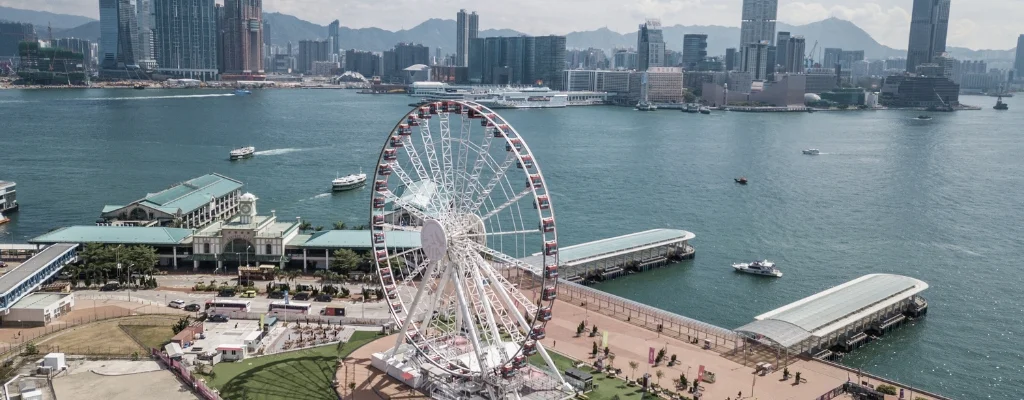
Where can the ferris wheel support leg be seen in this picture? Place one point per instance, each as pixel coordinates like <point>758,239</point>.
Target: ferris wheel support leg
<point>488,313</point>
<point>473,335</point>
<point>429,315</point>
<point>522,322</point>
<point>415,305</point>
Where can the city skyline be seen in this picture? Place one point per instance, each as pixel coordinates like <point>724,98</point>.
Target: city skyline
<point>983,24</point>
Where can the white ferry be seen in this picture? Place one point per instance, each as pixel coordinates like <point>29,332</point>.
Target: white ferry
<point>8,200</point>
<point>541,97</point>
<point>765,268</point>
<point>348,182</point>
<point>242,152</point>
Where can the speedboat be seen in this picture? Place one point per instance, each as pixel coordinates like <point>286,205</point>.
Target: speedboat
<point>741,180</point>
<point>705,110</point>
<point>766,268</point>
<point>242,92</point>
<point>242,152</point>
<point>140,87</point>
<point>348,182</point>
<point>812,152</point>
<point>923,117</point>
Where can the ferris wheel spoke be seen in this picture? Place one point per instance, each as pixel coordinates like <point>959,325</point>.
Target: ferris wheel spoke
<point>508,324</point>
<point>437,298</point>
<point>499,279</point>
<point>468,324</point>
<point>408,182</point>
<point>415,211</point>
<point>501,233</point>
<point>505,205</point>
<point>510,303</point>
<point>414,158</point>
<point>404,228</point>
<point>411,312</point>
<point>430,150</point>
<point>461,166</point>
<point>506,259</point>
<point>447,166</point>
<point>482,195</point>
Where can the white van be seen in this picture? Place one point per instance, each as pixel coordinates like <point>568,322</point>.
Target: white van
<point>176,304</point>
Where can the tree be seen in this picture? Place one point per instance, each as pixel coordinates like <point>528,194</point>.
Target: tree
<point>305,226</point>
<point>633,365</point>
<point>293,274</point>
<point>593,352</point>
<point>340,225</point>
<point>683,382</point>
<point>660,375</point>
<point>181,324</point>
<point>344,261</point>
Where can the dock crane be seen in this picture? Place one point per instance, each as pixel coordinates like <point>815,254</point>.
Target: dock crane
<point>810,55</point>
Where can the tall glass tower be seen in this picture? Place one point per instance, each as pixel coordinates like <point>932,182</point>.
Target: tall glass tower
<point>929,23</point>
<point>467,28</point>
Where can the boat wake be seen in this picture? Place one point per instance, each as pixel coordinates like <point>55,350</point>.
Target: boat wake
<point>277,152</point>
<point>319,196</point>
<point>185,96</point>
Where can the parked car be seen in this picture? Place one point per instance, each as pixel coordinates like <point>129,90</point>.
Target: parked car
<point>249,293</point>
<point>218,318</point>
<point>192,307</point>
<point>110,287</point>
<point>302,296</point>
<point>3,264</point>
<point>323,297</point>
<point>226,293</point>
<point>176,304</point>
<point>276,295</point>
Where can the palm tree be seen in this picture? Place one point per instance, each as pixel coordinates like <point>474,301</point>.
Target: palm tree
<point>321,274</point>
<point>659,374</point>
<point>293,274</point>
<point>633,365</point>
<point>339,225</point>
<point>611,359</point>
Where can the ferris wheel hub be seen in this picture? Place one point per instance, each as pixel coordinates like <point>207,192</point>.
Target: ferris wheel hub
<point>434,239</point>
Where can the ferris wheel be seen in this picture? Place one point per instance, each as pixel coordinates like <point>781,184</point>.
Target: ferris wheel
<point>459,176</point>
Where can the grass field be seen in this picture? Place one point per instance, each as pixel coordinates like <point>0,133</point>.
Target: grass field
<point>606,388</point>
<point>150,336</point>
<point>106,337</point>
<point>305,374</point>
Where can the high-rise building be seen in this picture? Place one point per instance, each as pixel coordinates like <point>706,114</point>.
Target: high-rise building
<point>795,48</point>
<point>650,45</point>
<point>624,59</point>
<point>522,60</point>
<point>756,60</point>
<point>81,46</point>
<point>186,38</point>
<point>403,56</point>
<point>695,49</point>
<point>758,23</point>
<point>311,51</point>
<point>334,36</point>
<point>1019,64</point>
<point>832,57</point>
<point>118,36</point>
<point>243,39</point>
<point>146,23</point>
<point>467,27</point>
<point>268,38</point>
<point>549,62</point>
<point>363,62</point>
<point>782,52</point>
<point>12,33</point>
<point>929,23</point>
<point>730,59</point>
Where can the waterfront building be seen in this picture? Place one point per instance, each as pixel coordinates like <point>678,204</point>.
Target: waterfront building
<point>613,257</point>
<point>334,36</point>
<point>243,40</point>
<point>311,51</point>
<point>730,59</point>
<point>794,55</point>
<point>192,204</point>
<point>522,60</point>
<point>12,33</point>
<point>919,91</point>
<point>244,237</point>
<point>695,49</point>
<point>846,96</point>
<point>820,80</point>
<point>788,91</point>
<point>147,42</point>
<point>117,41</point>
<point>186,38</point>
<point>782,52</point>
<point>326,68</point>
<point>624,59</point>
<point>364,62</point>
<point>467,28</point>
<point>650,45</point>
<point>40,65</point>
<point>929,23</point>
<point>664,85</point>
<point>1018,64</point>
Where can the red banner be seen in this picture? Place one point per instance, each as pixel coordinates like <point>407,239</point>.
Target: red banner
<point>700,374</point>
<point>650,356</point>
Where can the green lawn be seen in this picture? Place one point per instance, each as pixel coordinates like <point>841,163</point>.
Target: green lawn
<point>305,374</point>
<point>151,336</point>
<point>607,388</point>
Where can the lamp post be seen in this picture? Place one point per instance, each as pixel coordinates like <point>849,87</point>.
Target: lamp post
<point>247,248</point>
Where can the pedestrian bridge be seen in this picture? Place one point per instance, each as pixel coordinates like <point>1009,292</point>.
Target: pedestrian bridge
<point>23,279</point>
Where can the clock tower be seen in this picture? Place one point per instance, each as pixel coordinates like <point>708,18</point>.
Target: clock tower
<point>247,208</point>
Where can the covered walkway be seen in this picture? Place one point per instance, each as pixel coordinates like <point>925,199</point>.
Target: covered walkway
<point>20,281</point>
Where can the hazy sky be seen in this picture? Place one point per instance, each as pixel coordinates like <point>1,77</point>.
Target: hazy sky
<point>978,24</point>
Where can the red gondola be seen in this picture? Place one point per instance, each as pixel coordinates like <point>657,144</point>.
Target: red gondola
<point>396,142</point>
<point>378,237</point>
<point>382,255</point>
<point>384,169</point>
<point>508,372</point>
<point>390,154</point>
<point>380,185</point>
<point>519,362</point>
<point>385,271</point>
<point>530,348</point>
<point>551,272</point>
<point>547,224</point>
<point>413,121</point>
<point>527,162</point>
<point>542,202</point>
<point>404,130</point>
<point>535,181</point>
<point>537,333</point>
<point>514,142</point>
<point>398,308</point>
<point>549,293</point>
<point>433,108</point>
<point>378,202</point>
<point>551,247</point>
<point>472,113</point>
<point>378,220</point>
<point>544,314</point>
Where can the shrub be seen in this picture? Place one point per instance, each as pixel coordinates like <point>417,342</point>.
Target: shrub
<point>30,349</point>
<point>887,389</point>
<point>135,356</point>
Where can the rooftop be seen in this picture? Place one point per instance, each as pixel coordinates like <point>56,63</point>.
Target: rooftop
<point>833,309</point>
<point>586,252</point>
<point>5,184</point>
<point>357,239</point>
<point>190,195</point>
<point>115,234</point>
<point>15,276</point>
<point>37,301</point>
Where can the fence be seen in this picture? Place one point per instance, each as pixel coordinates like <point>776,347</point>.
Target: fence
<point>645,316</point>
<point>912,392</point>
<point>22,338</point>
<point>312,319</point>
<point>183,372</point>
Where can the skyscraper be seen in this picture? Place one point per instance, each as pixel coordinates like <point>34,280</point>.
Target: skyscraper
<point>782,55</point>
<point>756,59</point>
<point>243,38</point>
<point>1019,64</point>
<point>117,41</point>
<point>521,60</point>
<point>186,38</point>
<point>758,23</point>
<point>268,39</point>
<point>144,15</point>
<point>467,28</point>
<point>929,23</point>
<point>13,33</point>
<point>650,45</point>
<point>695,48</point>
<point>795,48</point>
<point>730,59</point>
<point>311,51</point>
<point>334,36</point>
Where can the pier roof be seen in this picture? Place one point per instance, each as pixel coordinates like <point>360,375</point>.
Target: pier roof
<point>833,309</point>
<point>596,250</point>
<point>353,239</point>
<point>187,196</point>
<point>115,234</point>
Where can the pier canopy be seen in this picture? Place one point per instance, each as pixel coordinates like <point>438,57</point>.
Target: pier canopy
<point>155,236</point>
<point>835,313</point>
<point>613,253</point>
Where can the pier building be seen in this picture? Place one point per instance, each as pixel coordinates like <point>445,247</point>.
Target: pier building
<point>21,280</point>
<point>192,204</point>
<point>613,257</point>
<point>841,318</point>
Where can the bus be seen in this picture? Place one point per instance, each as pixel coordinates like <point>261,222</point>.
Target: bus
<point>280,307</point>
<point>216,306</point>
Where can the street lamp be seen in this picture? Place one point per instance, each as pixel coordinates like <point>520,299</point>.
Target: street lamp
<point>247,248</point>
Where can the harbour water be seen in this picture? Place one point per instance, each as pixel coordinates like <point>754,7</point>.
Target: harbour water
<point>938,200</point>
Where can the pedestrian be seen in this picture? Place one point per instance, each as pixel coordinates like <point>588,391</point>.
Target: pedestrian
<point>739,395</point>
<point>554,343</point>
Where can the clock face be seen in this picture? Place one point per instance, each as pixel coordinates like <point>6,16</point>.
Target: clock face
<point>245,208</point>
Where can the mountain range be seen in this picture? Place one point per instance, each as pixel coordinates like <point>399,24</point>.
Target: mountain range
<point>434,33</point>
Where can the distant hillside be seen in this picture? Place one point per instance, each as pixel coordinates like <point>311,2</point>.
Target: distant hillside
<point>88,31</point>
<point>41,18</point>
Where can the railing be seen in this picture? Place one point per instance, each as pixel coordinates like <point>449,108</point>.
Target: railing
<point>654,319</point>
<point>183,372</point>
<point>309,318</point>
<point>861,373</point>
<point>26,336</point>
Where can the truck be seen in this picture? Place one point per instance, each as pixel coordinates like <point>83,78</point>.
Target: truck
<point>333,311</point>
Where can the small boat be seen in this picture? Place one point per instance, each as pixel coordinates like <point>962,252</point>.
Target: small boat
<point>765,268</point>
<point>705,110</point>
<point>1000,105</point>
<point>242,92</point>
<point>140,87</point>
<point>348,182</point>
<point>242,152</point>
<point>812,152</point>
<point>741,180</point>
<point>643,106</point>
<point>811,110</point>
<point>923,117</point>
<point>691,109</point>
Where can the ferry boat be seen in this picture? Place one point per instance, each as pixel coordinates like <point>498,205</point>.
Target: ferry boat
<point>348,182</point>
<point>705,110</point>
<point>812,152</point>
<point>8,201</point>
<point>923,117</point>
<point>242,92</point>
<point>644,106</point>
<point>1000,105</point>
<point>3,219</point>
<point>741,180</point>
<point>243,152</point>
<point>765,268</point>
<point>691,109</point>
<point>525,98</point>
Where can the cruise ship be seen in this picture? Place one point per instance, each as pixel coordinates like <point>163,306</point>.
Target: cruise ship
<point>540,97</point>
<point>505,97</point>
